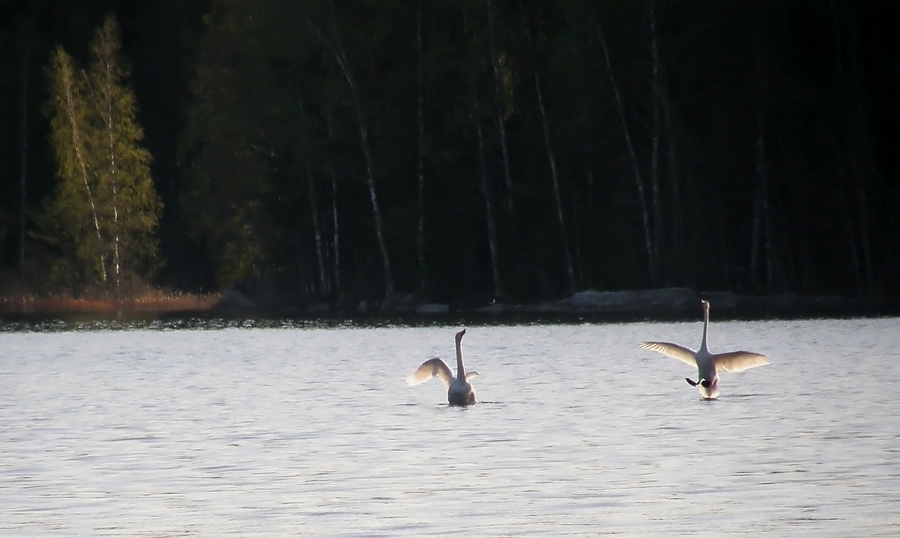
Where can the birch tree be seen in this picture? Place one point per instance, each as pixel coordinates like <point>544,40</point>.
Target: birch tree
<point>71,218</point>
<point>130,204</point>
<point>494,54</point>
<point>105,208</point>
<point>313,204</point>
<point>645,218</point>
<point>483,185</point>
<point>336,49</point>
<point>551,158</point>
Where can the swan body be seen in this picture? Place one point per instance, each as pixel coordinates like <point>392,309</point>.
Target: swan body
<point>459,390</point>
<point>708,364</point>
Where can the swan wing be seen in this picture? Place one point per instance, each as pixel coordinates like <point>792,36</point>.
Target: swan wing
<point>675,351</point>
<point>738,361</point>
<point>431,368</point>
<point>470,375</point>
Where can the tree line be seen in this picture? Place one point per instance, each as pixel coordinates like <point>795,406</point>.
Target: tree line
<point>468,150</point>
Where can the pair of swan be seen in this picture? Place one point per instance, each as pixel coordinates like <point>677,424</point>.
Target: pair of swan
<point>460,392</point>
<point>708,364</point>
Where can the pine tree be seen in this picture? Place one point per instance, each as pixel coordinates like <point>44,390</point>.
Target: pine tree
<point>105,209</point>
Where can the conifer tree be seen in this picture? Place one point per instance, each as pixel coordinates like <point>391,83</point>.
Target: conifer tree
<point>105,209</point>
<point>131,206</point>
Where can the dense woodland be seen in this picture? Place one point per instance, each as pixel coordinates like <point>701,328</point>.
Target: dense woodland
<point>475,150</point>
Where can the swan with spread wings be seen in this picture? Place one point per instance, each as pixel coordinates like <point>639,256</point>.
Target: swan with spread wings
<point>459,390</point>
<point>708,364</point>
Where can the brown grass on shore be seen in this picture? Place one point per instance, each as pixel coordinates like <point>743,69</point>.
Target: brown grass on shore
<point>147,301</point>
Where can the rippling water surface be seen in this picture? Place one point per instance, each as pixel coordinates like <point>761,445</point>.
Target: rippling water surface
<point>312,432</point>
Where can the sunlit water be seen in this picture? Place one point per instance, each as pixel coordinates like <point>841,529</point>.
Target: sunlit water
<point>313,432</point>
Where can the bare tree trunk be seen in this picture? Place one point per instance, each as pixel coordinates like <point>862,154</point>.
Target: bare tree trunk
<point>376,211</point>
<point>485,188</point>
<point>847,214</point>
<point>103,86</point>
<point>677,228</point>
<point>501,113</point>
<point>862,212</point>
<point>757,208</point>
<point>862,151</point>
<point>110,130</point>
<point>337,51</point>
<point>79,154</point>
<point>420,235</point>
<point>648,241</point>
<point>337,250</point>
<point>762,224</point>
<point>848,217</point>
<point>313,205</point>
<point>589,209</point>
<point>854,251</point>
<point>724,248</point>
<point>317,230</point>
<point>579,262</point>
<point>852,96</point>
<point>654,153</point>
<point>115,206</point>
<point>764,177</point>
<point>554,176</point>
<point>23,169</point>
<point>762,171</point>
<point>116,261</point>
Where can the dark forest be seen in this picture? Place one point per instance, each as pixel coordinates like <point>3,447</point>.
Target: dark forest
<point>477,150</point>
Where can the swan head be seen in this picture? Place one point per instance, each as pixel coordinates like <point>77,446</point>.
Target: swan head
<point>459,335</point>
<point>704,383</point>
<point>705,304</point>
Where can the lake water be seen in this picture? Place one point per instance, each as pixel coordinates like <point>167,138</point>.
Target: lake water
<point>311,431</point>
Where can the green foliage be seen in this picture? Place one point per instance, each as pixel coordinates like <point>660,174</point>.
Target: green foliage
<point>69,219</point>
<point>228,145</point>
<point>104,213</point>
<point>131,206</point>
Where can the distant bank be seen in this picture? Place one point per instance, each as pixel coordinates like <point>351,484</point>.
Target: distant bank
<point>659,304</point>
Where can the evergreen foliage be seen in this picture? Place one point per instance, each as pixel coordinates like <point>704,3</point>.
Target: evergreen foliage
<point>105,210</point>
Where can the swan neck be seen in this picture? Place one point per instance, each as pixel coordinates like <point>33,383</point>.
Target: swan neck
<point>703,346</point>
<point>460,369</point>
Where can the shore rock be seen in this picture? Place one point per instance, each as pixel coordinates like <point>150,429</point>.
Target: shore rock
<point>234,300</point>
<point>433,308</point>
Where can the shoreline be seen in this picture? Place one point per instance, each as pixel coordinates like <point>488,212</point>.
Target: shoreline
<point>155,302</point>
<point>668,304</point>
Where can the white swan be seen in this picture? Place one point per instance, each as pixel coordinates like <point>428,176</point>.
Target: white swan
<point>708,364</point>
<point>459,391</point>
